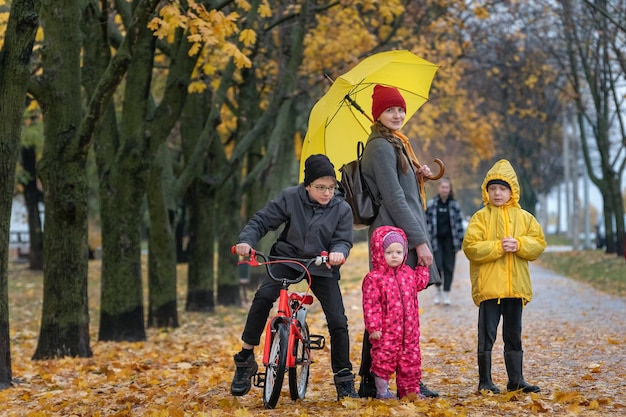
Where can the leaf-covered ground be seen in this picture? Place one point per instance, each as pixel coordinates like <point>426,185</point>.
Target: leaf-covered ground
<point>574,339</point>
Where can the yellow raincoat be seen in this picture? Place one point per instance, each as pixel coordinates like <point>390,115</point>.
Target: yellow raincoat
<point>496,274</point>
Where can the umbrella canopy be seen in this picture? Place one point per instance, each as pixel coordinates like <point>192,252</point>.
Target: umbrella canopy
<point>342,117</point>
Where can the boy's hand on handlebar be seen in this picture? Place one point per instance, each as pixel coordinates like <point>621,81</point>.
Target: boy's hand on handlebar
<point>243,249</point>
<point>335,258</point>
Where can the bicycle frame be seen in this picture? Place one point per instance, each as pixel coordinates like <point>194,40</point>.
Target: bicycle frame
<point>287,315</point>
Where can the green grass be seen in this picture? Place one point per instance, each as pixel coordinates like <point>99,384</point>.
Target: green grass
<point>604,272</point>
<point>558,240</point>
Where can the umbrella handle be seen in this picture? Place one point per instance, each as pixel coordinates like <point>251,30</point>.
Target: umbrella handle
<point>442,169</point>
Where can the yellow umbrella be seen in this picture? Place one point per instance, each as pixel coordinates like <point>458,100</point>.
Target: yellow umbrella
<point>342,117</point>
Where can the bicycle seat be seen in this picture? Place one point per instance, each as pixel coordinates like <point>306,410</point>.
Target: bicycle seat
<point>301,297</point>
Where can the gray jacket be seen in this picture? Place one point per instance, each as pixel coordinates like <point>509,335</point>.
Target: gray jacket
<point>309,227</point>
<point>401,202</point>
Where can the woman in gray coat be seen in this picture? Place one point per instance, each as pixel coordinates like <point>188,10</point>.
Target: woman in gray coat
<point>387,168</point>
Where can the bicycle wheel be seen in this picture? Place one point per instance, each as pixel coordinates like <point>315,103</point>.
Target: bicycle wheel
<point>299,375</point>
<point>275,371</point>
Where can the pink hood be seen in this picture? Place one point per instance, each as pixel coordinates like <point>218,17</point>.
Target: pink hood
<point>376,247</point>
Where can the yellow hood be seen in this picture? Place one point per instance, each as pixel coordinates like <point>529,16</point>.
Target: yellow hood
<point>502,170</point>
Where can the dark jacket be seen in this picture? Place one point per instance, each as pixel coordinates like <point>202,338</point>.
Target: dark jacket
<point>309,227</point>
<point>456,222</point>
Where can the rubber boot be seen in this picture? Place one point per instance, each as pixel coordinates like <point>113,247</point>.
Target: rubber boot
<point>427,392</point>
<point>484,374</point>
<point>514,363</point>
<point>382,389</point>
<point>367,388</point>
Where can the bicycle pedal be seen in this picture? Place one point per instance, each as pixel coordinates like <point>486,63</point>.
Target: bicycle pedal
<point>317,341</point>
<point>259,380</point>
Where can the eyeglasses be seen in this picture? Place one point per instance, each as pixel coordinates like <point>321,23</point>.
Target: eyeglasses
<point>323,188</point>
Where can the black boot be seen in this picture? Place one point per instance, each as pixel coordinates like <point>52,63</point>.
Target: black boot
<point>484,374</point>
<point>245,369</point>
<point>344,383</point>
<point>514,361</point>
<point>367,388</point>
<point>427,392</point>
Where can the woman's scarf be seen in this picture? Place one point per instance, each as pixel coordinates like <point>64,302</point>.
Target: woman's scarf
<point>415,162</point>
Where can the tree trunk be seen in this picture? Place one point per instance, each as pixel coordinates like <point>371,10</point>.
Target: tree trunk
<point>122,314</point>
<point>200,198</point>
<point>121,305</point>
<point>65,313</point>
<point>227,228</point>
<point>200,275</point>
<point>162,310</point>
<point>32,197</point>
<point>14,75</point>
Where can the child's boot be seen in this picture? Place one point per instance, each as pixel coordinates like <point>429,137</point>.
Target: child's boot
<point>484,373</point>
<point>382,389</point>
<point>246,368</point>
<point>344,383</point>
<point>446,298</point>
<point>514,361</point>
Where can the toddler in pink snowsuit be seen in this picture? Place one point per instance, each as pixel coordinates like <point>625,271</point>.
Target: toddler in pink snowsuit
<point>391,313</point>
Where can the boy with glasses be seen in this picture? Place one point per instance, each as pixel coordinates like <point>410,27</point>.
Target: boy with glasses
<point>316,219</point>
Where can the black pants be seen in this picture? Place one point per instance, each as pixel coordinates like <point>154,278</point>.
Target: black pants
<point>445,258</point>
<point>489,314</point>
<point>329,295</point>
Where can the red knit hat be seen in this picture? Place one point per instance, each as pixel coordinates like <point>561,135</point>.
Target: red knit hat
<point>385,97</point>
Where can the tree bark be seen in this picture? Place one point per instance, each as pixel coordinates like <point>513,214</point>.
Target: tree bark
<point>65,314</point>
<point>14,75</point>
<point>124,190</point>
<point>162,310</point>
<point>121,304</point>
<point>200,201</point>
<point>227,229</point>
<point>200,275</point>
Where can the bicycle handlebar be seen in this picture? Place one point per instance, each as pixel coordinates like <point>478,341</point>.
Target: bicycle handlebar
<point>322,258</point>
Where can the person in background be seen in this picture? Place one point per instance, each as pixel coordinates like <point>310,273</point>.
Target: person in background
<point>316,218</point>
<point>391,313</point>
<point>445,225</point>
<point>391,170</point>
<point>500,240</point>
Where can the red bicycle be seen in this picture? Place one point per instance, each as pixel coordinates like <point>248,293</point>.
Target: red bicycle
<point>288,343</point>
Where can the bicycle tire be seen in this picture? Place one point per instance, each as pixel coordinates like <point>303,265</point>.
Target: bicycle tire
<point>275,370</point>
<point>299,374</point>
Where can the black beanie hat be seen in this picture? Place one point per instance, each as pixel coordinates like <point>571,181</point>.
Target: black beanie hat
<point>500,182</point>
<point>317,166</point>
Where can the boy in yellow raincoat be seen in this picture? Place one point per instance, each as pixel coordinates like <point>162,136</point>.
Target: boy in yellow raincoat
<point>501,238</point>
